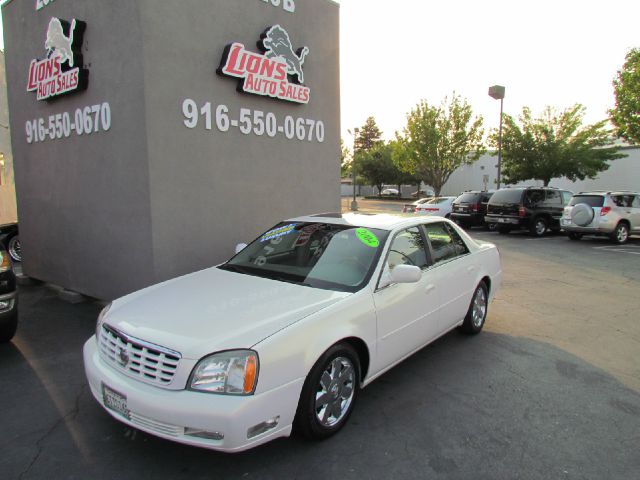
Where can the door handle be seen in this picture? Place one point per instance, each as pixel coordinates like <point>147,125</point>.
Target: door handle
<point>429,288</point>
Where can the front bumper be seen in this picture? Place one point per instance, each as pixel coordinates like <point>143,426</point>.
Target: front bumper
<point>167,413</point>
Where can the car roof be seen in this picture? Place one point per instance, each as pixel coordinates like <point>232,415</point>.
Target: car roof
<point>609,192</point>
<point>383,221</point>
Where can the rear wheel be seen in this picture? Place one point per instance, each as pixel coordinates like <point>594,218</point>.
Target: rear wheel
<point>503,229</point>
<point>621,234</point>
<point>538,226</point>
<point>477,313</point>
<point>492,227</point>
<point>574,236</point>
<point>329,393</point>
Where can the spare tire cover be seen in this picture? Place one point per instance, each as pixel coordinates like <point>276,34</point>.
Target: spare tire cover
<point>582,214</point>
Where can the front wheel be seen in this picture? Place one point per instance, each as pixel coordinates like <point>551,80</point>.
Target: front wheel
<point>14,248</point>
<point>621,234</point>
<point>477,313</point>
<point>329,393</point>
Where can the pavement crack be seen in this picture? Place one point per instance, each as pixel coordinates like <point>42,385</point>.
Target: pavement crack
<point>70,415</point>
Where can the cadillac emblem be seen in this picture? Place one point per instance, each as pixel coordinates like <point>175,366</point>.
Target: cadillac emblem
<point>122,356</point>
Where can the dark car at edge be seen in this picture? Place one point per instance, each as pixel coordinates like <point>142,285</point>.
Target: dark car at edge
<point>536,209</point>
<point>470,208</point>
<point>8,299</point>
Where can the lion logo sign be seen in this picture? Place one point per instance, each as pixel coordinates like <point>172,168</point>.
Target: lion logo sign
<point>277,44</point>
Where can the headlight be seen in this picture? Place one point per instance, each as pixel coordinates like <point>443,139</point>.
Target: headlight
<point>101,320</point>
<point>234,372</point>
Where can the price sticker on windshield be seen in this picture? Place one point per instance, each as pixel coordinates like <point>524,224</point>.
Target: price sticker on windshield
<point>367,237</point>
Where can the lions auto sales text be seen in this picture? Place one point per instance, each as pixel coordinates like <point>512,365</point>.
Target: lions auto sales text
<point>85,121</point>
<point>254,122</point>
<point>288,5</point>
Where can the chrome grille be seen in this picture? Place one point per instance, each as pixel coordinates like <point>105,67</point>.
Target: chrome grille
<point>155,425</point>
<point>146,361</point>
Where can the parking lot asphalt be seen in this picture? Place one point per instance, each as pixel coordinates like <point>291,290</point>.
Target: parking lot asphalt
<point>550,389</point>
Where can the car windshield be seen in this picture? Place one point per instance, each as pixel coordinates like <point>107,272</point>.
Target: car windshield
<point>321,255</point>
<point>507,195</point>
<point>591,200</point>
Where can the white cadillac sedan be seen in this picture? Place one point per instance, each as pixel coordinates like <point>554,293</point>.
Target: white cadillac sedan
<point>285,334</point>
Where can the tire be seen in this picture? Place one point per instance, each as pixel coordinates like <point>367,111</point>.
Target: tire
<point>621,234</point>
<point>315,419</point>
<point>492,227</point>
<point>477,313</point>
<point>447,216</point>
<point>14,248</point>
<point>574,236</point>
<point>503,229</point>
<point>538,226</point>
<point>8,329</point>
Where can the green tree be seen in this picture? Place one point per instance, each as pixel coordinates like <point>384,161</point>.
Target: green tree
<point>438,140</point>
<point>626,86</point>
<point>345,160</point>
<point>376,166</point>
<point>554,145</point>
<point>367,137</point>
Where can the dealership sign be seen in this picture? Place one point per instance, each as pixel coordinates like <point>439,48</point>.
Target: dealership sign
<point>61,72</point>
<point>276,72</point>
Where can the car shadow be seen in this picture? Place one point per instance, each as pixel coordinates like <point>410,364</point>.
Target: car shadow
<point>486,406</point>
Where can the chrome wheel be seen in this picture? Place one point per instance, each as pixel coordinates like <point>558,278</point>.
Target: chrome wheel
<point>335,391</point>
<point>541,227</point>
<point>479,307</point>
<point>14,249</point>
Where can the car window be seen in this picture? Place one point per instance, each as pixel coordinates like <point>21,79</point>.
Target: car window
<point>636,201</point>
<point>508,195</point>
<point>628,200</point>
<point>407,248</point>
<point>461,247</point>
<point>566,197</point>
<point>443,246</point>
<point>553,197</point>
<point>618,200</point>
<point>486,197</point>
<point>591,200</point>
<point>534,197</point>
<point>467,198</point>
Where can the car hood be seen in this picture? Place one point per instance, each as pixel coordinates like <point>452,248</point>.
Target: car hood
<point>215,310</point>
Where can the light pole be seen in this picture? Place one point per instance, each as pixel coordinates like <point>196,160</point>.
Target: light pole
<point>497,92</point>
<point>354,203</point>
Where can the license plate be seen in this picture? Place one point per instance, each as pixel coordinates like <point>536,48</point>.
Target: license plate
<point>115,401</point>
<point>502,220</point>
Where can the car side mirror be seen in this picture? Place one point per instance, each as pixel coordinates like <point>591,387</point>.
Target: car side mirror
<point>240,247</point>
<point>400,274</point>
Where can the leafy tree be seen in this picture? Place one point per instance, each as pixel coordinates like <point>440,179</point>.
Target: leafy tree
<point>345,161</point>
<point>626,87</point>
<point>367,137</point>
<point>438,140</point>
<point>376,166</point>
<point>554,145</point>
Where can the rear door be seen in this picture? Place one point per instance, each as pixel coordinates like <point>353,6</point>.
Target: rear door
<point>553,206</point>
<point>635,214</point>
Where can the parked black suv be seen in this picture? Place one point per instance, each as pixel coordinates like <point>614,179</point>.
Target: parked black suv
<point>534,208</point>
<point>469,209</point>
<point>8,299</point>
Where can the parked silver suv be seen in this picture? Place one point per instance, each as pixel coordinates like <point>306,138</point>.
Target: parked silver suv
<point>615,214</point>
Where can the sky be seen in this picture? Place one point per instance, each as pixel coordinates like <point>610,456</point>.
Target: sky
<point>393,53</point>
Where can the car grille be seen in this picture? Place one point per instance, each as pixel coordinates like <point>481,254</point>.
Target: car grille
<point>155,425</point>
<point>146,361</point>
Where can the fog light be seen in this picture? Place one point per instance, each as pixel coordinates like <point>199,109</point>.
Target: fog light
<point>263,427</point>
<point>6,304</point>
<point>197,432</point>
